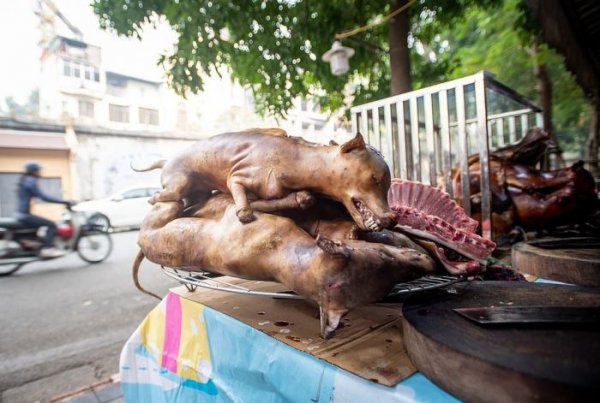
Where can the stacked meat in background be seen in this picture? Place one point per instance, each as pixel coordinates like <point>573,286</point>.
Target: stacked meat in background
<point>525,196</point>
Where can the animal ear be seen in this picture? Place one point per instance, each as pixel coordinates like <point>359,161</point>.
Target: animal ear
<point>333,247</point>
<point>357,143</point>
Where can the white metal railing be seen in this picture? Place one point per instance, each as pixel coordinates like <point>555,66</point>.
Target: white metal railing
<point>443,125</point>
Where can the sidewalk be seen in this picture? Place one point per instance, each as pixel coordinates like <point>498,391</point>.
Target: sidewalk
<point>108,391</point>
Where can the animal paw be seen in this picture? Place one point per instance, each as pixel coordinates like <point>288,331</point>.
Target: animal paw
<point>305,199</point>
<point>245,215</point>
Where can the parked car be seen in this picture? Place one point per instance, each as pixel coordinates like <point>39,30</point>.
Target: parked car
<point>126,208</point>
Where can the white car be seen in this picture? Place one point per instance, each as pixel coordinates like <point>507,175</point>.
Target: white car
<point>126,208</point>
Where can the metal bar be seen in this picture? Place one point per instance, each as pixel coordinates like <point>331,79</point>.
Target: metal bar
<point>355,123</point>
<point>402,161</point>
<point>539,120</point>
<point>500,132</point>
<point>463,149</point>
<point>496,116</point>
<point>445,134</point>
<point>524,125</point>
<point>430,140</point>
<point>424,283</point>
<point>512,129</point>
<point>389,154</point>
<point>417,93</point>
<point>511,113</point>
<point>484,161</point>
<point>509,92</point>
<point>192,281</point>
<point>491,82</point>
<point>414,135</point>
<point>376,139</point>
<point>364,124</point>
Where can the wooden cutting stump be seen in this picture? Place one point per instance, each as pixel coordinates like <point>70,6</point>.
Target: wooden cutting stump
<point>507,363</point>
<point>570,260</point>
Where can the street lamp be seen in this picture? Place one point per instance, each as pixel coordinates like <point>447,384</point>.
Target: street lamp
<point>338,57</point>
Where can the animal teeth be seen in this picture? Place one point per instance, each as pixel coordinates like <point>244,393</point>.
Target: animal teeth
<point>372,224</point>
<point>368,217</point>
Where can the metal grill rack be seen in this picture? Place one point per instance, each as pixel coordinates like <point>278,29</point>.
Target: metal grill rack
<point>423,284</point>
<point>192,280</point>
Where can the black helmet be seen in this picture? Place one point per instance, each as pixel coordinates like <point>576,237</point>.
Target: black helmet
<point>32,166</point>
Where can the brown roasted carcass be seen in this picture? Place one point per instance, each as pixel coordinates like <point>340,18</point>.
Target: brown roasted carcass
<point>525,196</point>
<point>271,165</point>
<point>336,274</point>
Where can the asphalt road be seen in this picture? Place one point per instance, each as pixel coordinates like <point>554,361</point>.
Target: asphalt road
<point>64,321</point>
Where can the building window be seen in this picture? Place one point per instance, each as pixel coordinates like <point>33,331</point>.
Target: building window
<point>86,109</point>
<point>148,116</point>
<point>84,70</point>
<point>66,68</point>
<point>118,113</point>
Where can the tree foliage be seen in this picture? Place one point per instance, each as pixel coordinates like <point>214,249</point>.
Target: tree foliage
<point>275,47</point>
<point>500,40</point>
<point>28,108</point>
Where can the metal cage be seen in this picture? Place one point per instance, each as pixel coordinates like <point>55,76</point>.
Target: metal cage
<point>443,125</point>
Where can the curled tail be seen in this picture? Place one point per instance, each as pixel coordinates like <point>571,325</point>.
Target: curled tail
<point>154,165</point>
<point>136,268</point>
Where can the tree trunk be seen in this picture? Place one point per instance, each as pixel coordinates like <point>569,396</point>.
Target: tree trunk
<point>591,145</point>
<point>545,91</point>
<point>399,52</point>
<point>544,87</point>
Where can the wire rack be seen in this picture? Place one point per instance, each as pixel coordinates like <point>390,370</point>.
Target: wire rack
<point>423,284</point>
<point>195,279</point>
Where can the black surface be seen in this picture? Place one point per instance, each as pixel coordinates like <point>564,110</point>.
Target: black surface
<point>568,356</point>
<point>532,315</point>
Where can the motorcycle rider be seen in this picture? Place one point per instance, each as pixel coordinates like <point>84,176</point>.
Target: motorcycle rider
<point>27,189</point>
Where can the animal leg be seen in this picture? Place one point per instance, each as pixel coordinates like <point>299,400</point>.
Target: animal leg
<point>173,191</point>
<point>330,320</point>
<point>242,205</point>
<point>162,214</point>
<point>305,199</point>
<point>302,200</point>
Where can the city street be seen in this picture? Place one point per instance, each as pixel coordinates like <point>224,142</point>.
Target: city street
<point>64,321</point>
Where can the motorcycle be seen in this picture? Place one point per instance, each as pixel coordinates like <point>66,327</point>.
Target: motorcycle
<point>88,236</point>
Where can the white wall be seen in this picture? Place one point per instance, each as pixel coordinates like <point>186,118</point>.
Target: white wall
<point>104,162</point>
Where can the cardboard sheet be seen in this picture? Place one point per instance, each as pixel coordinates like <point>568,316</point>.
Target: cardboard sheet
<point>369,344</point>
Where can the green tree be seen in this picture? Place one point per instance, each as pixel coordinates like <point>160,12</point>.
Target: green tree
<point>274,47</point>
<point>501,40</point>
<point>30,107</point>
